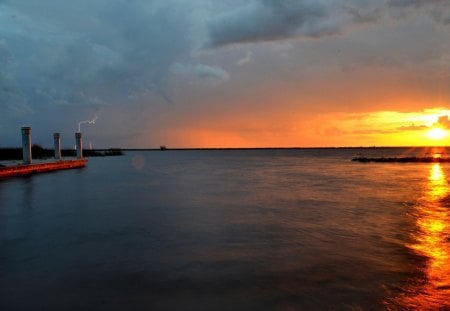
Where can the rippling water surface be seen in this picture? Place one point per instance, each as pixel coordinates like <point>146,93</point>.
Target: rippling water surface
<point>228,230</point>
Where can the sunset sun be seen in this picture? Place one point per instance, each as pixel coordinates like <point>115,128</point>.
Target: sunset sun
<point>437,133</point>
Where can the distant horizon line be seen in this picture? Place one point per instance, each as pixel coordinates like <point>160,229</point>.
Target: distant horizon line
<point>272,148</point>
<point>165,148</point>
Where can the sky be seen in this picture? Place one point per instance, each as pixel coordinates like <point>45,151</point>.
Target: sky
<point>229,73</point>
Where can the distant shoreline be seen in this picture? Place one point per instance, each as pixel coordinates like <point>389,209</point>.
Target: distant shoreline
<point>38,152</point>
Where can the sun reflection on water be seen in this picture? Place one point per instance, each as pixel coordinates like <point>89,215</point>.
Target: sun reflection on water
<point>432,242</point>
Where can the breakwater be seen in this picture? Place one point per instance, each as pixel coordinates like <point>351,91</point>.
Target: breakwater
<point>403,159</point>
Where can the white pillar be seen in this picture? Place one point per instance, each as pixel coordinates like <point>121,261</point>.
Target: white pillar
<point>26,145</point>
<point>57,145</point>
<point>79,144</point>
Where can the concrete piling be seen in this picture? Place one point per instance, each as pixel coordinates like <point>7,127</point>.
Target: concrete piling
<point>79,145</point>
<point>26,145</point>
<point>57,145</point>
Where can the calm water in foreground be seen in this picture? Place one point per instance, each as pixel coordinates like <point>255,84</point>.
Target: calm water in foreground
<point>228,230</point>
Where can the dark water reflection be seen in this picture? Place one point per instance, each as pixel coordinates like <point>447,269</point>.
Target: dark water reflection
<point>226,230</point>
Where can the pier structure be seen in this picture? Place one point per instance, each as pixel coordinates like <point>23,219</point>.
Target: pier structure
<point>28,168</point>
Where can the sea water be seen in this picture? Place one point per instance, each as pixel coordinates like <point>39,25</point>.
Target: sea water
<point>303,229</point>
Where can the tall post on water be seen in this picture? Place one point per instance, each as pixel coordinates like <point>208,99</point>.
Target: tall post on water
<point>26,145</point>
<point>79,145</point>
<point>57,145</point>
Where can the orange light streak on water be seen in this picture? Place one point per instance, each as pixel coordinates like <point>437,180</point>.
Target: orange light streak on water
<point>432,292</point>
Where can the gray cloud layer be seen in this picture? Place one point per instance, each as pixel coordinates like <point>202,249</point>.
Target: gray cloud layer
<point>439,10</point>
<point>106,51</point>
<point>271,20</point>
<point>267,20</point>
<point>201,72</point>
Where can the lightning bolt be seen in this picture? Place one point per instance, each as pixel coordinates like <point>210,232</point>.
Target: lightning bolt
<point>86,122</point>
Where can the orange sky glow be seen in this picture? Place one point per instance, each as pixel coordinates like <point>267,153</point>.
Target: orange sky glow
<point>380,128</point>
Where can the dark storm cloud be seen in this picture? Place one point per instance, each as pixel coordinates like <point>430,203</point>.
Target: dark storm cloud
<point>11,98</point>
<point>439,10</point>
<point>96,52</point>
<point>266,20</point>
<point>416,3</point>
<point>270,20</point>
